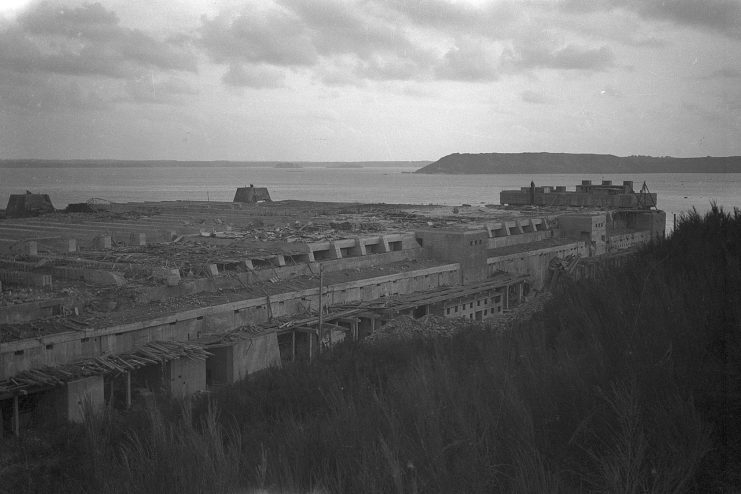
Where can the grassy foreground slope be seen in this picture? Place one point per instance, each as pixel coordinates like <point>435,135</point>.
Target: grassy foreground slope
<point>628,384</point>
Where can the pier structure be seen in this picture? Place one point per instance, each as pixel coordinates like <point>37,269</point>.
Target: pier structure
<point>124,301</point>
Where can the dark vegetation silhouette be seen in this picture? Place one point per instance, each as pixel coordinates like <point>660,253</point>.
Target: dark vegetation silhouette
<point>629,383</point>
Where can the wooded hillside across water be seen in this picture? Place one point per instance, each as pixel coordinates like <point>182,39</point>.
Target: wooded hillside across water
<point>502,163</point>
<point>629,383</point>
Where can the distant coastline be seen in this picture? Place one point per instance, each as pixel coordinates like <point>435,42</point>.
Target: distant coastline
<point>101,163</point>
<point>555,163</point>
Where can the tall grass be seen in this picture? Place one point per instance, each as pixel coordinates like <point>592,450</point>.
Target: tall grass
<point>629,383</point>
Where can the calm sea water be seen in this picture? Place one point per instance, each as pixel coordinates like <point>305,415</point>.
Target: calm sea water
<point>677,192</point>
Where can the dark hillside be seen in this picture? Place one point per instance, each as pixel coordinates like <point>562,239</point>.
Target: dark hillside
<point>629,383</point>
<point>503,163</point>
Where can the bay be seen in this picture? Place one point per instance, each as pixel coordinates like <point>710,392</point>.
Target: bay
<point>677,193</point>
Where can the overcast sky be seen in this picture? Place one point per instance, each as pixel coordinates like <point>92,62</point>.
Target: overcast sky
<point>329,80</point>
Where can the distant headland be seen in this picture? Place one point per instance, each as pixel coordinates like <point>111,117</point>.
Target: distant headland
<point>504,163</point>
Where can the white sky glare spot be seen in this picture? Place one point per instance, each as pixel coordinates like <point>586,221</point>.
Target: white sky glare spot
<point>403,79</point>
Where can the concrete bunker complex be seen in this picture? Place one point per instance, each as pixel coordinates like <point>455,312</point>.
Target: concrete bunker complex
<point>124,301</point>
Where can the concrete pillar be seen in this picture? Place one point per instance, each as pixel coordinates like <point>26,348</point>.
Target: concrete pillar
<point>186,376</point>
<point>138,239</point>
<point>69,245</point>
<point>81,393</point>
<point>31,248</point>
<point>211,269</point>
<point>128,390</point>
<point>383,243</point>
<point>519,293</point>
<point>248,264</point>
<point>334,251</point>
<point>16,417</point>
<point>359,249</point>
<point>279,260</point>
<point>103,242</point>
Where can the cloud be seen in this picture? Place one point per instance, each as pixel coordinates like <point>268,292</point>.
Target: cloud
<point>725,73</point>
<point>91,21</point>
<point>253,76</point>
<point>274,37</point>
<point>342,43</point>
<point>88,40</point>
<point>569,57</point>
<point>469,61</point>
<point>27,93</point>
<point>56,57</point>
<point>534,97</point>
<point>611,92</point>
<point>315,35</point>
<point>490,19</point>
<point>721,16</point>
<point>148,89</point>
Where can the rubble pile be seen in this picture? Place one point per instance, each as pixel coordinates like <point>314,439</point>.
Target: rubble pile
<point>431,326</point>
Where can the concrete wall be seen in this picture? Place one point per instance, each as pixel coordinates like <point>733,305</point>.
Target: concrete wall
<point>478,307</point>
<point>69,402</point>
<point>524,238</point>
<point>236,280</point>
<point>627,240</point>
<point>577,199</point>
<point>60,348</point>
<point>255,354</point>
<point>534,263</point>
<point>466,247</point>
<point>185,376</point>
<point>591,228</point>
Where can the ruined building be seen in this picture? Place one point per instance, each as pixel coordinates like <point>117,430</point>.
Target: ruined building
<point>114,305</point>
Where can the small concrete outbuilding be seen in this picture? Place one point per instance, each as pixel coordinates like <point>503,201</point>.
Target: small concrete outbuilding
<point>28,204</point>
<point>252,194</point>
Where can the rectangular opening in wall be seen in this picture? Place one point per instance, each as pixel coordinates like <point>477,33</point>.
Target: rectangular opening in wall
<point>376,248</point>
<point>50,346</point>
<point>421,242</point>
<point>199,318</point>
<point>84,340</point>
<point>322,255</point>
<point>19,352</point>
<point>236,311</point>
<point>499,232</point>
<point>395,246</point>
<point>172,323</point>
<point>261,263</point>
<point>345,251</point>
